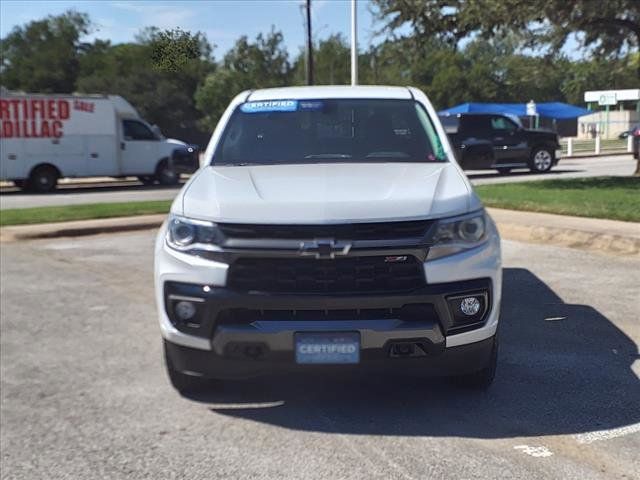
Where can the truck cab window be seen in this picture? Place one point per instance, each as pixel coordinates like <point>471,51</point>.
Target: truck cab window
<point>134,130</point>
<point>502,123</point>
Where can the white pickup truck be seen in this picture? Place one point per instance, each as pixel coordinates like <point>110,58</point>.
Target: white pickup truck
<point>47,137</point>
<point>329,227</point>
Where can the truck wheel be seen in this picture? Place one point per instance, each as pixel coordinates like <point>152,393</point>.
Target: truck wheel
<point>165,174</point>
<point>182,382</point>
<point>482,379</point>
<point>43,179</point>
<point>541,160</point>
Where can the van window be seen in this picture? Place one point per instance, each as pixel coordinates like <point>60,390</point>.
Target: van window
<point>329,131</point>
<point>134,130</point>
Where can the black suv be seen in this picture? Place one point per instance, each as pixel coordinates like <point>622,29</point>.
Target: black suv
<point>494,141</point>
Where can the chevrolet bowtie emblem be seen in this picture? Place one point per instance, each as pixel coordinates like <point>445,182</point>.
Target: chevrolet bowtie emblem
<point>324,248</point>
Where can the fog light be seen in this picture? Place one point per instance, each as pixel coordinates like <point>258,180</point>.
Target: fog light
<point>185,310</point>
<point>470,306</point>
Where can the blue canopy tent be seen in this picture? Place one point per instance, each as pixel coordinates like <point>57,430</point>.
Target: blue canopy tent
<point>554,110</point>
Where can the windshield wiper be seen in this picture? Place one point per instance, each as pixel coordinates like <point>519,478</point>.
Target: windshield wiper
<point>328,155</point>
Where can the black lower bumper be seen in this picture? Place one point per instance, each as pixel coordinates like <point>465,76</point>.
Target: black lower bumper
<point>450,361</point>
<point>253,334</point>
<point>218,307</point>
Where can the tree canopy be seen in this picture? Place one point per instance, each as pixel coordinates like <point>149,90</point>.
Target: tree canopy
<point>609,28</point>
<point>44,55</point>
<point>458,51</point>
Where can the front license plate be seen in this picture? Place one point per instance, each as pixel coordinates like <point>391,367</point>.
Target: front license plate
<point>327,348</point>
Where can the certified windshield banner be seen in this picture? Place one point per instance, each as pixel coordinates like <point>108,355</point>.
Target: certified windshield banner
<point>268,106</point>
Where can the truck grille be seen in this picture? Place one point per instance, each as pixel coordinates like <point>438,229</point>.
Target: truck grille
<point>352,231</point>
<point>330,276</point>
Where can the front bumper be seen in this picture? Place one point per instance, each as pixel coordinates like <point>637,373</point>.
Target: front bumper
<point>460,360</point>
<point>224,349</point>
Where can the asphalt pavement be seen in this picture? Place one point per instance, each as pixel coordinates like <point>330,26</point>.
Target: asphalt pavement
<point>75,192</point>
<point>84,394</point>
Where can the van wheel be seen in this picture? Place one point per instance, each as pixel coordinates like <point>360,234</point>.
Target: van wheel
<point>482,379</point>
<point>541,160</point>
<point>165,174</point>
<point>182,382</point>
<point>43,179</point>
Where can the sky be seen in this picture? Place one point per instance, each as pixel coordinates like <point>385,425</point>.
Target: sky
<point>223,21</point>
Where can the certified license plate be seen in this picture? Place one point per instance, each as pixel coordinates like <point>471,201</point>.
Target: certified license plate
<point>327,348</point>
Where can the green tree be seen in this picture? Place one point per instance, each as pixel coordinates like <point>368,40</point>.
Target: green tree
<point>44,55</point>
<point>259,64</point>
<point>161,86</point>
<point>331,62</point>
<point>609,27</point>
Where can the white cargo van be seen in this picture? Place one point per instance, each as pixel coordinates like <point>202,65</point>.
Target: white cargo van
<point>44,137</point>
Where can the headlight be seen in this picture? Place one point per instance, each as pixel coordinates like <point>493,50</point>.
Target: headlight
<point>453,235</point>
<point>188,234</point>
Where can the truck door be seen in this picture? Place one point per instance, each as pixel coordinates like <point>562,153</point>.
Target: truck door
<point>509,143</point>
<point>139,148</point>
<point>475,149</point>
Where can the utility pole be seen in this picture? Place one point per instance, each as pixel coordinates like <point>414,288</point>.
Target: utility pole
<point>354,45</point>
<point>309,46</point>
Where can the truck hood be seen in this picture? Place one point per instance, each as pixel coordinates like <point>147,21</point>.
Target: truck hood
<point>326,193</point>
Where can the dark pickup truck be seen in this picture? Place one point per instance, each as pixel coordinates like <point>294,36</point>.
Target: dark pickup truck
<point>493,141</point>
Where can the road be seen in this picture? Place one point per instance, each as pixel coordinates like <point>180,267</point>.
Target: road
<point>75,192</point>
<point>84,395</point>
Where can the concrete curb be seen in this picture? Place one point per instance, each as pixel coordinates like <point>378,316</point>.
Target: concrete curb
<point>613,244</point>
<point>619,238</point>
<point>80,228</point>
<point>610,236</point>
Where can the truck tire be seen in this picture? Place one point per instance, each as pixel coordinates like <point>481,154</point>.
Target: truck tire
<point>482,379</point>
<point>182,382</point>
<point>43,179</point>
<point>165,174</point>
<point>541,159</point>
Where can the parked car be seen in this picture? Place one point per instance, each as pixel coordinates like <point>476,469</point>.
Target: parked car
<point>329,226</point>
<point>494,141</point>
<point>636,143</point>
<point>631,131</point>
<point>47,137</point>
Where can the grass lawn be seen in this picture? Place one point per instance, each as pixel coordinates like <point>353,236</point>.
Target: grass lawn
<point>24,216</point>
<point>615,198</point>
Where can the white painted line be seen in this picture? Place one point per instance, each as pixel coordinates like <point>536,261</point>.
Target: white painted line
<point>590,437</point>
<point>245,406</point>
<point>539,452</point>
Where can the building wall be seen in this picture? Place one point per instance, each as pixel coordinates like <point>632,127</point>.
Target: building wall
<point>596,123</point>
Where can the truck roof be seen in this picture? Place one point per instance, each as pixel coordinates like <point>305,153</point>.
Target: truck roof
<point>330,91</point>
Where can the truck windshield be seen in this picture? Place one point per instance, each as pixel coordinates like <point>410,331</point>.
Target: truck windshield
<point>326,131</point>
